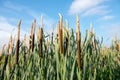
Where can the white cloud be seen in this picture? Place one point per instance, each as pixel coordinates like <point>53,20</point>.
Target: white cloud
<point>98,10</point>
<point>6,30</point>
<point>107,17</point>
<point>87,7</point>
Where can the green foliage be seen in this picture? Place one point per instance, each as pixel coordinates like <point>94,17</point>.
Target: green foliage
<point>55,66</point>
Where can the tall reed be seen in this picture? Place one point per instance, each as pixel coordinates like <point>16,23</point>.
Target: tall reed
<point>78,37</point>
<point>61,34</point>
<point>40,38</point>
<point>33,34</point>
<point>18,43</point>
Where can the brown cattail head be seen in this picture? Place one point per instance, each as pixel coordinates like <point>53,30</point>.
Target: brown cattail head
<point>40,36</point>
<point>78,38</point>
<point>61,34</point>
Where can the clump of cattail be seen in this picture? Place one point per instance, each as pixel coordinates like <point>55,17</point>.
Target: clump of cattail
<point>40,38</point>
<point>17,43</point>
<point>61,34</point>
<point>78,37</point>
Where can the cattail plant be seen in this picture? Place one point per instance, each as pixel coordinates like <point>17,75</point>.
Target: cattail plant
<point>61,34</point>
<point>30,41</point>
<point>17,43</point>
<point>10,50</point>
<point>33,34</point>
<point>40,38</point>
<point>66,37</point>
<point>78,37</point>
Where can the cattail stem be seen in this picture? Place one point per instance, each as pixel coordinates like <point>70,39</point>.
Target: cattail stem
<point>17,43</point>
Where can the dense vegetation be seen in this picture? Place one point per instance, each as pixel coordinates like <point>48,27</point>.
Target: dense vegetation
<point>62,56</point>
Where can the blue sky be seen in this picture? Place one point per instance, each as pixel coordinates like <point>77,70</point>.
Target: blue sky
<point>103,14</point>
